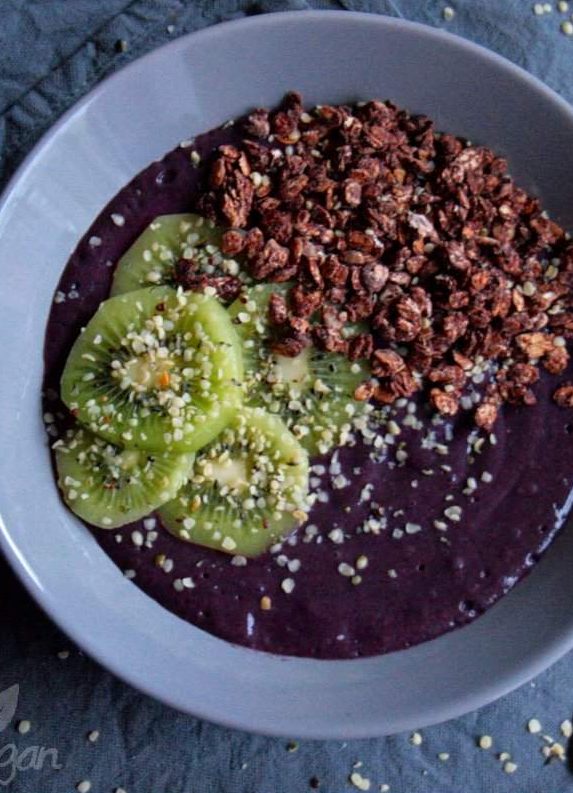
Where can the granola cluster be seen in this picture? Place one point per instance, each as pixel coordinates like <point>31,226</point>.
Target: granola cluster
<point>411,248</point>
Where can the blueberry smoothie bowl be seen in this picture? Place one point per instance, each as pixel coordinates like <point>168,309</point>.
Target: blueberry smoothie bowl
<point>307,380</point>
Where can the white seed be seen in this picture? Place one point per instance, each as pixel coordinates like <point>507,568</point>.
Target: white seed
<point>287,585</point>
<point>567,28</point>
<point>416,739</point>
<point>509,767</point>
<point>137,538</point>
<point>359,781</point>
<point>24,726</point>
<point>443,756</point>
<point>566,728</point>
<point>448,13</point>
<point>93,736</point>
<point>84,787</point>
<point>453,513</point>
<point>118,219</point>
<point>485,742</point>
<point>534,726</point>
<point>239,561</point>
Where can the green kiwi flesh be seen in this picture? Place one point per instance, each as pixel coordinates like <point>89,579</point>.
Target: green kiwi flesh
<point>313,392</point>
<point>156,369</point>
<point>108,486</point>
<point>152,258</point>
<point>247,490</point>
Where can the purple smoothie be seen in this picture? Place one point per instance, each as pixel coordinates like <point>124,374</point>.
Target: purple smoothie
<point>414,573</point>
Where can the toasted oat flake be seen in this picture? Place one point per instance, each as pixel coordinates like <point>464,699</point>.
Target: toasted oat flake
<point>265,603</point>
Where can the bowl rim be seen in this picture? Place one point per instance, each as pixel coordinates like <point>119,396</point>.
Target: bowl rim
<point>538,661</point>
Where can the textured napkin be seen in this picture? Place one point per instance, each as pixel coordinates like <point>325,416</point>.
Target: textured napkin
<point>73,724</point>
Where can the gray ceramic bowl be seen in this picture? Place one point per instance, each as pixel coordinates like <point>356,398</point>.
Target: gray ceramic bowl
<point>186,87</point>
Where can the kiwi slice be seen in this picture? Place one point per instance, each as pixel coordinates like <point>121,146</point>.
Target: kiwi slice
<point>313,392</point>
<point>152,258</point>
<point>108,486</point>
<point>155,369</point>
<point>247,490</point>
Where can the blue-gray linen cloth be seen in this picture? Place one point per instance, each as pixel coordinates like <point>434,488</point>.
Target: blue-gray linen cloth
<point>51,53</point>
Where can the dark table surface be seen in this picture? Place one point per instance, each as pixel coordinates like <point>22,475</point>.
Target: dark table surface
<point>73,714</point>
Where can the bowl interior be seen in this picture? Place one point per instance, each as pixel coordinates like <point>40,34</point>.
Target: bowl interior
<point>184,88</point>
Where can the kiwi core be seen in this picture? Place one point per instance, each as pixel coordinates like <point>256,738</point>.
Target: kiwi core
<point>290,370</point>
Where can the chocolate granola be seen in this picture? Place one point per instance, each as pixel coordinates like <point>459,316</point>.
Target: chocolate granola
<point>418,242</point>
